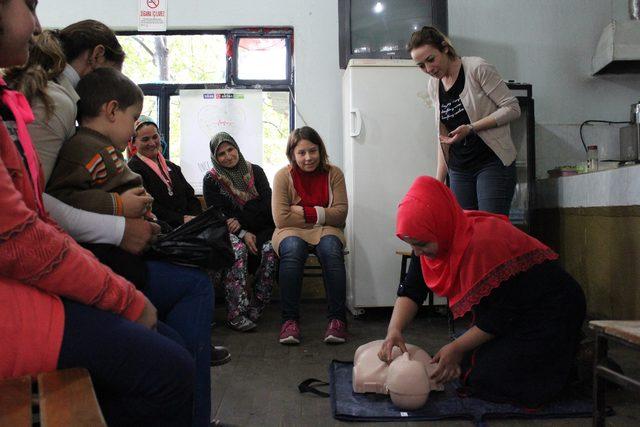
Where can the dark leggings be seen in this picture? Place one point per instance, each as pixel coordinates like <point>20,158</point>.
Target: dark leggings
<point>141,377</point>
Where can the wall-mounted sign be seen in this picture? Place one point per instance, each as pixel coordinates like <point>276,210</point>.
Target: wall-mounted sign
<point>152,15</point>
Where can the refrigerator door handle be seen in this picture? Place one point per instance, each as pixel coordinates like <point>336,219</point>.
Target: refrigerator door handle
<point>358,123</point>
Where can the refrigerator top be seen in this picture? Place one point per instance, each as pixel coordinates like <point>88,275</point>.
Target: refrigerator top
<point>381,63</point>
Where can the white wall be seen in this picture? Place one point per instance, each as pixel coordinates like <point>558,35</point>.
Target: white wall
<point>315,24</point>
<point>549,43</point>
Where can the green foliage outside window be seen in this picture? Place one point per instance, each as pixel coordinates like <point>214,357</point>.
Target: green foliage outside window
<point>180,59</point>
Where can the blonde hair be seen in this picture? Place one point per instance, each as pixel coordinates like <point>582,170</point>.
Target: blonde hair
<point>53,49</point>
<point>46,62</point>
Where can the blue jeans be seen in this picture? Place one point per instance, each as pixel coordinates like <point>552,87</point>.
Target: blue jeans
<point>293,254</point>
<point>141,377</point>
<point>489,188</point>
<point>183,297</point>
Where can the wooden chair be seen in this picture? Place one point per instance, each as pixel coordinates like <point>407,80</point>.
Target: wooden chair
<point>312,267</point>
<point>406,256</point>
<point>64,398</point>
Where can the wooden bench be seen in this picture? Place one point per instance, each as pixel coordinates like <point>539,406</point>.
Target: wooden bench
<point>625,332</point>
<point>15,402</point>
<point>64,398</point>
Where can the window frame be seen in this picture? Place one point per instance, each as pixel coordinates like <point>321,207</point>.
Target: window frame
<point>265,34</point>
<point>164,91</point>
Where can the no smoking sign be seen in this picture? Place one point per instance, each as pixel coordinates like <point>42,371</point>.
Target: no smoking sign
<point>152,15</point>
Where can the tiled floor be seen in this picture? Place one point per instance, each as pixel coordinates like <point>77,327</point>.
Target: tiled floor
<point>259,385</point>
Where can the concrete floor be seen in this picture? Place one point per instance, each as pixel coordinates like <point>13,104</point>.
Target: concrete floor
<point>259,385</point>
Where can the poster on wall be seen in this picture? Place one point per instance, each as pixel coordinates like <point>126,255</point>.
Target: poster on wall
<point>204,113</point>
<point>152,15</point>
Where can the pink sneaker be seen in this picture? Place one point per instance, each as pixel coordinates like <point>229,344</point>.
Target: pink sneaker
<point>290,333</point>
<point>336,332</point>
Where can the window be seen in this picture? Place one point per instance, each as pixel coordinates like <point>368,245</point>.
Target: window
<point>164,64</point>
<point>197,58</point>
<point>262,59</point>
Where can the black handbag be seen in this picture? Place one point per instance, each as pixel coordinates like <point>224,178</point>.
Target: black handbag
<point>202,242</point>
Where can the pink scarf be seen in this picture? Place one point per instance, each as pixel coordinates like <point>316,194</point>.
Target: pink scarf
<point>19,106</point>
<point>162,171</point>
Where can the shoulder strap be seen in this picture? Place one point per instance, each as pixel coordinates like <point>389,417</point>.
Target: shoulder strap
<point>306,387</point>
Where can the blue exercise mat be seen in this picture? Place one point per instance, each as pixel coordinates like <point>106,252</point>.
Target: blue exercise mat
<point>349,406</point>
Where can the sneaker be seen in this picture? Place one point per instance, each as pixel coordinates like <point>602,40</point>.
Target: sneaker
<point>241,323</point>
<point>290,333</point>
<point>336,332</point>
<point>219,355</point>
<point>254,313</point>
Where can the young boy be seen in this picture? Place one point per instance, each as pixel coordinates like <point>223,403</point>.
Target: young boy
<point>91,173</point>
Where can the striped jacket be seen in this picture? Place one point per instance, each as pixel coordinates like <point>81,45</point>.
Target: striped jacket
<point>91,173</point>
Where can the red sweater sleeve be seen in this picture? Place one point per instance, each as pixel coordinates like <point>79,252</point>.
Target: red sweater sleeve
<point>310,214</point>
<point>36,253</point>
<point>313,189</point>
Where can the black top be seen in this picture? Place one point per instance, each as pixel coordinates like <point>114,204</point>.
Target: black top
<point>255,216</point>
<point>535,318</point>
<point>170,208</point>
<point>471,152</point>
<point>494,313</point>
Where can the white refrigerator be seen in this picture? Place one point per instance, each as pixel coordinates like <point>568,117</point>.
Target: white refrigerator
<point>389,139</point>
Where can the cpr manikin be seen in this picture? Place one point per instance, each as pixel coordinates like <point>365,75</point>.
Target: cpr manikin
<point>405,379</point>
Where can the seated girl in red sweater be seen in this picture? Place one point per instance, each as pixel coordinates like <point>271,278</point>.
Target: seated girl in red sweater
<point>309,207</point>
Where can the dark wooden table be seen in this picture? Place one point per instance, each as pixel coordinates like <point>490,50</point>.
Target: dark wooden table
<point>625,332</point>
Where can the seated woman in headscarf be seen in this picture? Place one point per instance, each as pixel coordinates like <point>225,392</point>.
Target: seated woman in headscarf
<point>174,200</point>
<point>527,311</point>
<point>241,191</point>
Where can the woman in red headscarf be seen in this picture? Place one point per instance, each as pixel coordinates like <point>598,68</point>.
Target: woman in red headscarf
<point>527,311</point>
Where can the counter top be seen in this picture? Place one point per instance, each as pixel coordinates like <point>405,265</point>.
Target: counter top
<point>613,187</point>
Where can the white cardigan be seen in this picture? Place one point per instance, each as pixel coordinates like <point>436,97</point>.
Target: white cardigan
<point>485,94</point>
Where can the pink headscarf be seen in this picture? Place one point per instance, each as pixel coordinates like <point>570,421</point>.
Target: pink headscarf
<point>477,251</point>
<point>19,106</point>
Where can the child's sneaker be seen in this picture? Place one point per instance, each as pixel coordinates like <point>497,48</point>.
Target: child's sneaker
<point>336,332</point>
<point>290,333</point>
<point>241,323</point>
